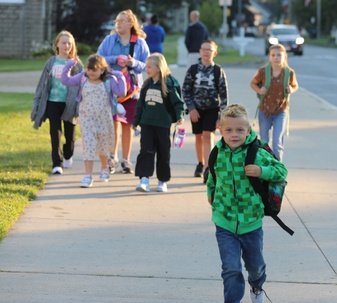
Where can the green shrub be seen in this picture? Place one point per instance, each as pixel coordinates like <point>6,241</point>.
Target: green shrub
<point>85,49</point>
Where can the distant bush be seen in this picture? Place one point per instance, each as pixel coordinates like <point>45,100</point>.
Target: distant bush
<point>85,49</point>
<point>41,50</point>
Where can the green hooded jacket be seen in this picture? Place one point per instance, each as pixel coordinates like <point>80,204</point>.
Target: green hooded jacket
<point>236,206</point>
<point>151,109</point>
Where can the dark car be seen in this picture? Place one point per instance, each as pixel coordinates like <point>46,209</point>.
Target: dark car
<point>287,35</point>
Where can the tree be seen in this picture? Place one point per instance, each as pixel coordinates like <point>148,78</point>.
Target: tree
<point>211,16</point>
<point>83,18</point>
<point>306,14</point>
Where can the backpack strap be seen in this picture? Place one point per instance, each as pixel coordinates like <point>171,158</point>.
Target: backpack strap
<point>112,97</point>
<point>211,162</point>
<point>217,72</point>
<point>286,95</point>
<point>84,79</point>
<point>267,81</point>
<point>133,40</point>
<point>260,189</point>
<point>194,70</point>
<point>286,81</point>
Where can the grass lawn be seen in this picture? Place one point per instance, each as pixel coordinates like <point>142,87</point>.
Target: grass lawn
<point>170,53</point>
<point>24,157</point>
<point>231,56</point>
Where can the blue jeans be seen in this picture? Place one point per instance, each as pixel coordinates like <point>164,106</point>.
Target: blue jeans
<point>231,248</point>
<point>278,122</point>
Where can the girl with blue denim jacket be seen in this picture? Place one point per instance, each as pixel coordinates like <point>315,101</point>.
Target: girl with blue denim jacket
<point>115,48</point>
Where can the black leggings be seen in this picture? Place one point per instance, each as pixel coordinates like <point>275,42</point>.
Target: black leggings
<point>54,113</point>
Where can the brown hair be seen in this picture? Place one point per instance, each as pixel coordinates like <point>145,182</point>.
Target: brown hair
<point>96,61</point>
<point>282,49</point>
<point>211,42</point>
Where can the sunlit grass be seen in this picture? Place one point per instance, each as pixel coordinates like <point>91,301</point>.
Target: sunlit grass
<point>24,157</point>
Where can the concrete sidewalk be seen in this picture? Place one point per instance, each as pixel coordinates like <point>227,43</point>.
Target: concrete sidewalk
<point>111,243</point>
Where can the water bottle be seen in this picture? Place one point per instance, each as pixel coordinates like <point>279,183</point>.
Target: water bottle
<point>180,137</point>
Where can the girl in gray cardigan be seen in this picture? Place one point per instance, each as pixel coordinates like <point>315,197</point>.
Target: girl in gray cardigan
<point>55,101</point>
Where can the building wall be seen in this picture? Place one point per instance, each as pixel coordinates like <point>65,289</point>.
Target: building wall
<point>21,23</point>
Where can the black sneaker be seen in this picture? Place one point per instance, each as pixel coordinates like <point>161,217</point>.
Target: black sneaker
<point>126,167</point>
<point>206,172</point>
<point>198,170</point>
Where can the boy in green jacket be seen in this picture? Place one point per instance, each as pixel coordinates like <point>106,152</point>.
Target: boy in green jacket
<point>237,210</point>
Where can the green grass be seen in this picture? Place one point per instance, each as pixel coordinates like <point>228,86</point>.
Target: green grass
<point>228,56</point>
<point>170,51</point>
<point>24,157</point>
<point>325,41</point>
<point>14,64</point>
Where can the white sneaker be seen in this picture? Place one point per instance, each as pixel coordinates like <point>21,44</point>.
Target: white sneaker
<point>105,175</point>
<point>57,170</point>
<point>144,185</point>
<point>256,295</point>
<point>68,163</point>
<point>87,181</point>
<point>162,187</point>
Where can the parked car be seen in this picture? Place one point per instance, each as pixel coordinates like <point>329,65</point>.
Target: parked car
<point>287,35</point>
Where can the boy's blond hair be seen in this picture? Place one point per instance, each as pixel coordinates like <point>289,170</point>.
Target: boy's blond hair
<point>234,111</point>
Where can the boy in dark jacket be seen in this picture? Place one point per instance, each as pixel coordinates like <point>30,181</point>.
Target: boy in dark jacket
<point>205,93</point>
<point>237,210</point>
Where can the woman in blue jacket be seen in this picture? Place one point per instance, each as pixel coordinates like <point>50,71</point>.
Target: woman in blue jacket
<point>113,48</point>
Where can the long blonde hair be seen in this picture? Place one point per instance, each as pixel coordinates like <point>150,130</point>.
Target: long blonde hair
<point>73,51</point>
<point>132,18</point>
<point>159,61</point>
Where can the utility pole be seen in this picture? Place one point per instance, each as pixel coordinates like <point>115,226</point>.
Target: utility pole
<point>240,14</point>
<point>318,16</point>
<point>225,4</point>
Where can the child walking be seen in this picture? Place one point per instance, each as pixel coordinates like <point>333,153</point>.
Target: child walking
<point>237,210</point>
<point>56,102</point>
<point>273,109</point>
<point>97,105</point>
<point>158,92</point>
<point>205,93</point>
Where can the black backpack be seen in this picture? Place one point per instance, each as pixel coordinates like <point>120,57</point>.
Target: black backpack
<point>270,192</point>
<point>169,106</point>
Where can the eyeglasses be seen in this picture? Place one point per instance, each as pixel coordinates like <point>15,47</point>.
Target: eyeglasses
<point>121,21</point>
<point>207,49</point>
